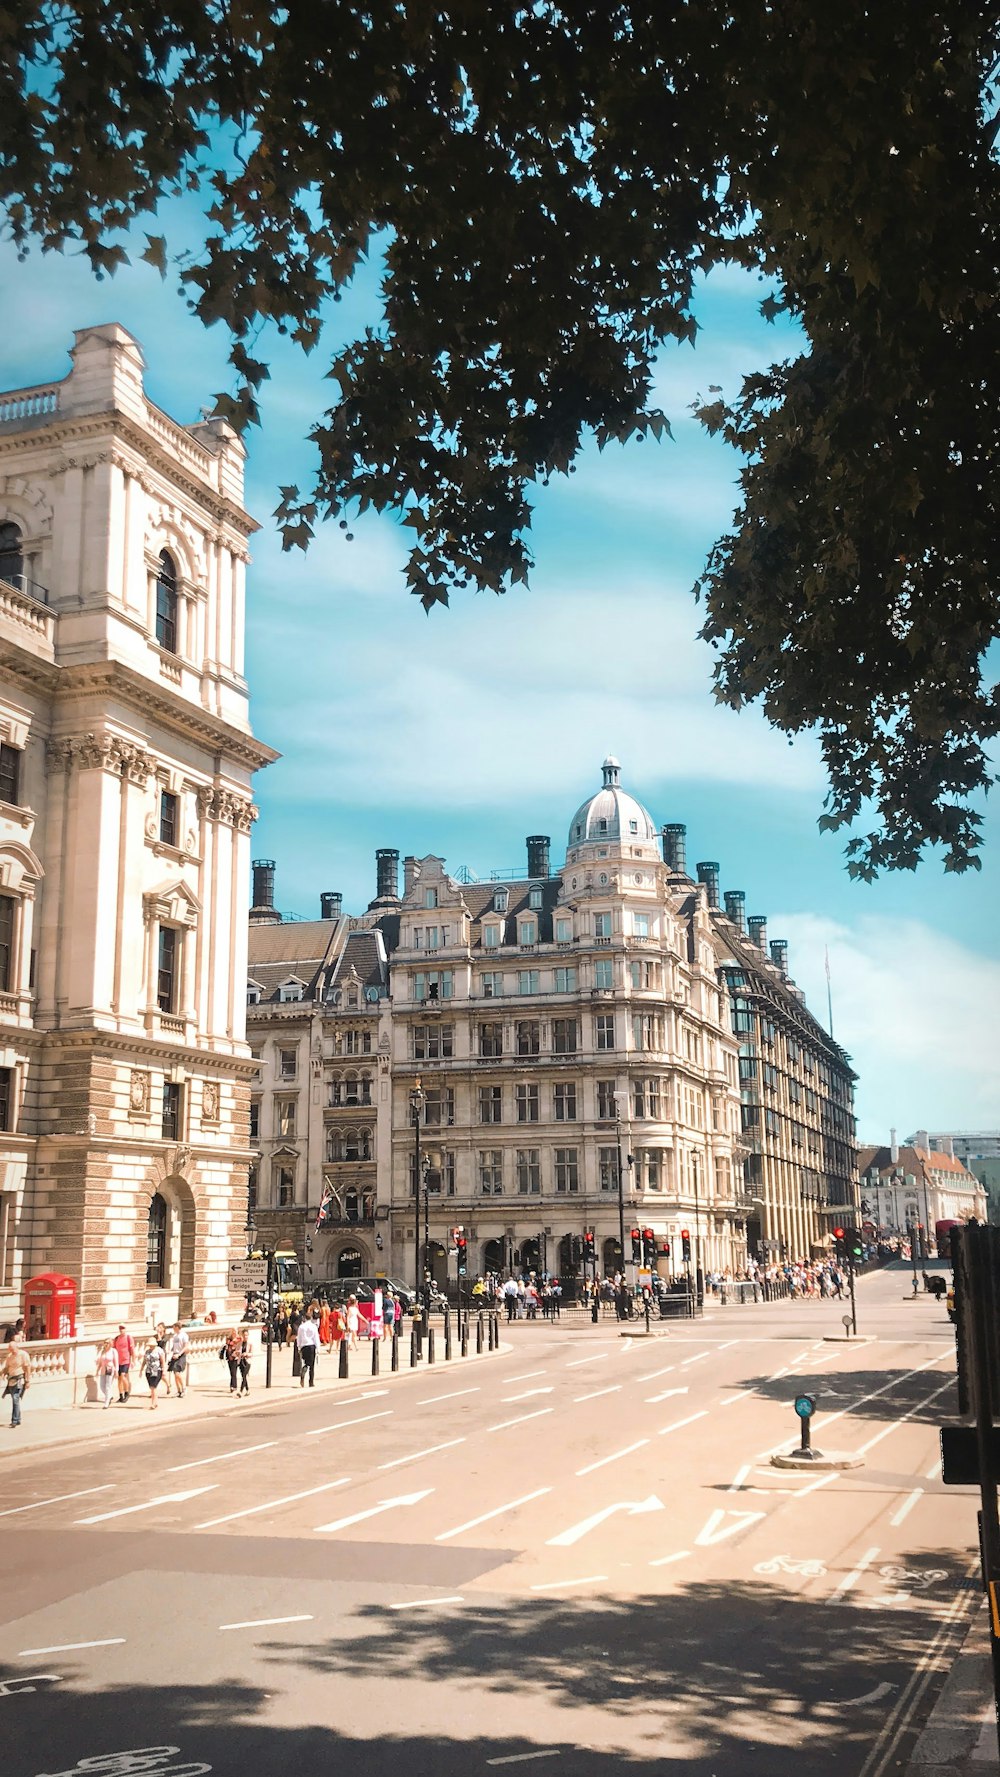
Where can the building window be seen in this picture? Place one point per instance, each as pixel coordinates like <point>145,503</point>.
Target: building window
<point>646,1098</point>
<point>652,1158</point>
<point>564,931</point>
<point>491,1104</point>
<point>253,994</point>
<point>500,900</point>
<point>6,1099</point>
<point>527,980</point>
<point>288,1064</point>
<point>167,961</point>
<point>169,817</point>
<point>285,1108</point>
<point>156,1244</point>
<point>528,1036</point>
<point>166,604</point>
<point>529,1172</point>
<point>607,1167</point>
<point>564,1036</point>
<point>602,925</point>
<point>492,985</point>
<point>434,985</point>
<point>491,937</point>
<point>11,558</point>
<point>567,1170</point>
<point>526,1103</point>
<point>289,992</point>
<point>640,925</point>
<point>255,1120</point>
<point>284,1187</point>
<point>565,980</point>
<point>527,931</point>
<point>604,1031</point>
<point>439,1106</point>
<point>604,974</point>
<point>491,1172</point>
<point>10,774</point>
<point>430,897</point>
<point>606,1101</point>
<point>170,1127</point>
<point>357,1042</point>
<point>564,1101</point>
<point>535,897</point>
<point>433,1042</point>
<point>491,1040</point>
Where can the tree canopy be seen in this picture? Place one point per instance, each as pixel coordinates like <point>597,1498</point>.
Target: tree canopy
<point>546,183</point>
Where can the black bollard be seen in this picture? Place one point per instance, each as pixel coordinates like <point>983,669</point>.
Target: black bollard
<point>595,1311</point>
<point>342,1372</point>
<point>375,1357</point>
<point>645,1304</point>
<point>430,1345</point>
<point>414,1348</point>
<point>464,1344</point>
<point>394,1360</point>
<point>447,1337</point>
<point>479,1336</point>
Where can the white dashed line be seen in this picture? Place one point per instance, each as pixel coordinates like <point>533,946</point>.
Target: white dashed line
<point>907,1506</point>
<point>415,1455</point>
<point>58,1500</point>
<point>596,1394</point>
<point>678,1423</point>
<point>615,1456</point>
<point>266,1622</point>
<point>417,1603</point>
<point>345,1424</point>
<point>498,1511</point>
<point>666,1560</point>
<point>590,1579</point>
<point>505,1424</point>
<point>852,1578</point>
<point>69,1647</point>
<point>244,1450</point>
<point>273,1504</point>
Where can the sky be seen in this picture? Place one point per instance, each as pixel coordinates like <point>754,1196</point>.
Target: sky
<point>460,732</point>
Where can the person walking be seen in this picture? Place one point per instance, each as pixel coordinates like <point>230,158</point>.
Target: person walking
<point>232,1350</point>
<point>106,1370</point>
<point>307,1344</point>
<point>353,1323</point>
<point>124,1345</point>
<point>17,1377</point>
<point>177,1356</point>
<point>153,1369</point>
<point>245,1363</point>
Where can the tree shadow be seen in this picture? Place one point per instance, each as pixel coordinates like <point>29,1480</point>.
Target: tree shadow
<point>895,1392</point>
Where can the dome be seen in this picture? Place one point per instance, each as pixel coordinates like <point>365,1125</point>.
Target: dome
<point>612,814</point>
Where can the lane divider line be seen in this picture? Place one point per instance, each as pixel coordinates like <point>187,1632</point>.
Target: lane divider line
<point>523,1758</point>
<point>69,1647</point>
<point>345,1424</point>
<point>273,1504</point>
<point>498,1511</point>
<point>58,1500</point>
<point>906,1508</point>
<point>147,1505</point>
<point>589,1579</point>
<point>615,1388</point>
<point>415,1455</point>
<point>851,1579</point>
<point>615,1456</point>
<point>267,1622</point>
<point>666,1560</point>
<point>416,1603</point>
<point>244,1450</point>
<point>678,1423</point>
<point>432,1399</point>
<point>505,1424</point>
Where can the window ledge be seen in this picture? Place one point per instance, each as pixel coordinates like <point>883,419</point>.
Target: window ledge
<point>17,813</point>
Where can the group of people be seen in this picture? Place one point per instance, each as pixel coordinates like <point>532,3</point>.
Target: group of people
<point>524,1297</point>
<point>163,1356</point>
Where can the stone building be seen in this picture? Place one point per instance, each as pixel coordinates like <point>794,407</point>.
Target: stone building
<point>914,1186</point>
<point>125,815</point>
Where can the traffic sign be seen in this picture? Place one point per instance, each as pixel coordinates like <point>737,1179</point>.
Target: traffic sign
<point>247,1274</point>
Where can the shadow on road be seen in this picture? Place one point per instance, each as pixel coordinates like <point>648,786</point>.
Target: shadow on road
<point>894,1393</point>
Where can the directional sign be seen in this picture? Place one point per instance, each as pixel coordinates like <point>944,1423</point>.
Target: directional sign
<point>634,1507</point>
<point>386,1505</point>
<point>247,1274</point>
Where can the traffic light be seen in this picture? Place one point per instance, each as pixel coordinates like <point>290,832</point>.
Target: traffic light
<point>588,1243</point>
<point>636,1246</point>
<point>855,1246</point>
<point>461,1250</point>
<point>649,1243</point>
<point>685,1246</point>
<point>665,1248</point>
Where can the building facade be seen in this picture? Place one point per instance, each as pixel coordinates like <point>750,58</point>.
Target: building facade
<point>125,816</point>
<point>912,1187</point>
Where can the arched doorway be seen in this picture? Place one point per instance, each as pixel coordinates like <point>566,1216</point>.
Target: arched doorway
<point>169,1234</point>
<point>612,1252</point>
<point>350,1262</point>
<point>494,1258</point>
<point>529,1256</point>
<point>436,1262</point>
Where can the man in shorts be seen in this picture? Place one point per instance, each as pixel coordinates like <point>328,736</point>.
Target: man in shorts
<point>177,1357</point>
<point>124,1345</point>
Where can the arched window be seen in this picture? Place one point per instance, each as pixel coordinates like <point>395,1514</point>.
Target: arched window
<point>156,1244</point>
<point>332,1144</point>
<point>11,558</point>
<point>352,1206</point>
<point>166,604</point>
<point>350,1263</point>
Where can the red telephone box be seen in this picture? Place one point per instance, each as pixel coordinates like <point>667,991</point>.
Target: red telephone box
<point>50,1306</point>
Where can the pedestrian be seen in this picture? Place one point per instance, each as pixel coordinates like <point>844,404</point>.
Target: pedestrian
<point>17,1377</point>
<point>307,1344</point>
<point>232,1351</point>
<point>245,1365</point>
<point>152,1369</point>
<point>124,1345</point>
<point>177,1356</point>
<point>14,1330</point>
<point>388,1312</point>
<point>106,1370</point>
<point>353,1323</point>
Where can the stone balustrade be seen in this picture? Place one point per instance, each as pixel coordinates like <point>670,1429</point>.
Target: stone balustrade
<point>62,1370</point>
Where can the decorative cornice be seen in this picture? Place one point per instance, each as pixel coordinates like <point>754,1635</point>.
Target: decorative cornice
<point>113,678</point>
<point>101,752</point>
<point>140,1048</point>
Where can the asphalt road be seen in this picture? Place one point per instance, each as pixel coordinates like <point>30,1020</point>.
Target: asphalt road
<point>570,1556</point>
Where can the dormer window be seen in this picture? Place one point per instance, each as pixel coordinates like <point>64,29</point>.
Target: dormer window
<point>500,900</point>
<point>491,937</point>
<point>253,994</point>
<point>535,898</point>
<point>290,990</point>
<point>430,897</point>
<point>633,826</point>
<point>602,826</point>
<point>526,931</point>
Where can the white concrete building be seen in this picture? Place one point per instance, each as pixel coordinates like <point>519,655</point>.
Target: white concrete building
<point>125,815</point>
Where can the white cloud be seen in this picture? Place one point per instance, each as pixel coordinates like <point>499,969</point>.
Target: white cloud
<point>915,1008</point>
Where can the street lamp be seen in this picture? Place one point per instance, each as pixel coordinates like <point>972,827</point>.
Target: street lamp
<point>251,1238</point>
<point>418,1098</point>
<point>620,1097</point>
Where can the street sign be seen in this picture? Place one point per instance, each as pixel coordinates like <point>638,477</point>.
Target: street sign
<point>247,1274</point>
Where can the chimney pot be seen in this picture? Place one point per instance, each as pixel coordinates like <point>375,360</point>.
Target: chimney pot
<point>736,902</point>
<point>538,854</point>
<point>387,874</point>
<point>709,875</point>
<point>263,882</point>
<point>331,902</point>
<point>779,954</point>
<point>675,847</point>
<point>757,927</point>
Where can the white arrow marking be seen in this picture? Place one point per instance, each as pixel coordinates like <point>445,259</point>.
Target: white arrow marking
<point>651,1399</point>
<point>528,1395</point>
<point>162,1499</point>
<point>386,1505</point>
<point>875,1696</point>
<point>634,1507</point>
<point>715,1530</point>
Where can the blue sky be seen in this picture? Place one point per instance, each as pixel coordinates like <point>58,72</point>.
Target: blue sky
<point>461,732</point>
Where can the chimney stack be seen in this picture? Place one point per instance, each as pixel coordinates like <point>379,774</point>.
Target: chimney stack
<point>538,854</point>
<point>330,904</point>
<point>736,903</point>
<point>779,954</point>
<point>709,875</point>
<point>386,875</point>
<point>409,874</point>
<point>757,926</point>
<point>674,847</point>
<point>893,1148</point>
<point>262,910</point>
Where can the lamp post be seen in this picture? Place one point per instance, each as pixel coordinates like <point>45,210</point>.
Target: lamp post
<point>418,1098</point>
<point>699,1276</point>
<point>619,1097</point>
<point>251,1235</point>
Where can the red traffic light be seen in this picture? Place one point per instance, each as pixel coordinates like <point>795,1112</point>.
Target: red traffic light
<point>838,1233</point>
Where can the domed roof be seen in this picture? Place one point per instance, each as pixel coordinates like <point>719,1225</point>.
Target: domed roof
<point>611,814</point>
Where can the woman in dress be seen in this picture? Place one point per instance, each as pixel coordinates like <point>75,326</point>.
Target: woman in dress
<point>106,1371</point>
<point>153,1369</point>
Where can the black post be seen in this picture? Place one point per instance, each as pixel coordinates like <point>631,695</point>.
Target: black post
<point>978,1250</point>
<point>394,1360</point>
<point>414,1346</point>
<point>645,1304</point>
<point>479,1336</point>
<point>805,1423</point>
<point>854,1305</point>
<point>464,1340</point>
<point>447,1335</point>
<point>270,1319</point>
<point>342,1371</point>
<point>430,1345</point>
<point>375,1357</point>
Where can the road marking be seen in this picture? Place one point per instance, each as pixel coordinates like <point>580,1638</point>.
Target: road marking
<point>694,1360</point>
<point>147,1505</point>
<point>665,1560</point>
<point>69,1647</point>
<point>590,1579</point>
<point>25,1685</point>
<point>267,1622</point>
<point>726,1346</point>
<point>508,1400</point>
<point>907,1506</point>
<point>384,1505</point>
<point>433,1398</point>
<point>894,1382</point>
<point>505,1424</point>
<point>875,1696</point>
<point>653,1374</point>
<point>715,1530</point>
<point>814,1486</point>
<point>732,1398</point>
<point>245,1450</point>
<point>735,1486</point>
<point>852,1578</point>
<point>653,1399</point>
<point>36,1503</point>
<point>614,1457</point>
<point>916,1408</point>
<point>529,1377</point>
<point>497,1512</point>
<point>596,1394</point>
<point>634,1508</point>
<point>345,1424</point>
<point>933,1473</point>
<point>522,1758</point>
<point>415,1603</point>
<point>664,1429</point>
<point>273,1504</point>
<point>598,1358</point>
<point>415,1455</point>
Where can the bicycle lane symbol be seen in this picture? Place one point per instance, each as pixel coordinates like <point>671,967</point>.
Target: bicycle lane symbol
<point>25,1685</point>
<point>131,1762</point>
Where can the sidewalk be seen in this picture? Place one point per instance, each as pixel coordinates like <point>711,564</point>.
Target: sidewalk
<point>960,1736</point>
<point>207,1397</point>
